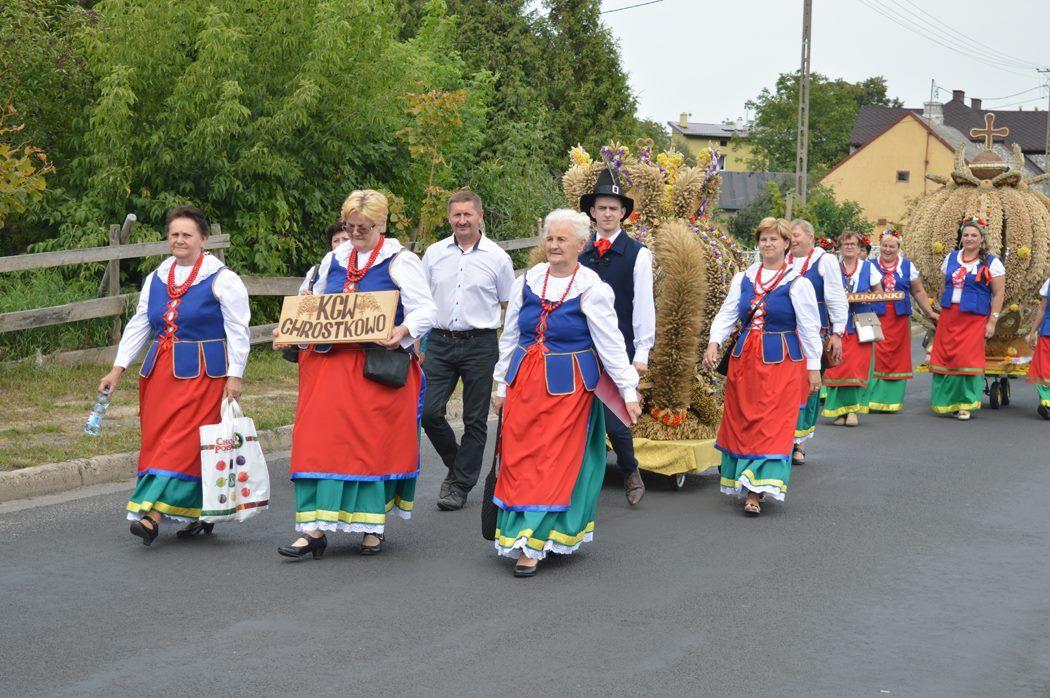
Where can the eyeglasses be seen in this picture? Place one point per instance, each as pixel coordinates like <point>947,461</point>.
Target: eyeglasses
<point>363,229</point>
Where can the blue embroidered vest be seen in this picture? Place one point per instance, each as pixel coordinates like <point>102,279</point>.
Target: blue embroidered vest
<point>861,284</point>
<point>616,268</point>
<point>976,295</point>
<point>377,279</point>
<point>568,343</point>
<point>903,283</point>
<point>780,330</point>
<point>200,334</point>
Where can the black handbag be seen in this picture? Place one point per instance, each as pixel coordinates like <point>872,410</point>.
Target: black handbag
<point>387,367</point>
<point>723,365</point>
<point>489,510</point>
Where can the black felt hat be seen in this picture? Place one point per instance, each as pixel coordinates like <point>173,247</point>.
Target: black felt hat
<point>608,185</point>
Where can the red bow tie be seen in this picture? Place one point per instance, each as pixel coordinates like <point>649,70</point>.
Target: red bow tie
<point>602,245</point>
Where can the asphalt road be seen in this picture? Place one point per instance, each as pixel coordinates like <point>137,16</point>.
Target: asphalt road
<point>909,560</point>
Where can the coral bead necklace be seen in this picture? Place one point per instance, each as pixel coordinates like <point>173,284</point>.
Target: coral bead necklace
<point>353,274</point>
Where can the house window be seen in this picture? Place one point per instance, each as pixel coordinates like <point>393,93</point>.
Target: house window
<point>723,142</point>
<point>903,176</point>
<point>721,162</point>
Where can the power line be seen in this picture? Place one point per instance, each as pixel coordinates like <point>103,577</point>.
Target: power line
<point>629,7</point>
<point>1015,94</point>
<point>1003,107</point>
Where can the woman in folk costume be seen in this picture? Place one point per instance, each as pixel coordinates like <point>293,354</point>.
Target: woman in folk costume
<point>559,334</point>
<point>337,235</point>
<point>779,342</point>
<point>355,445</point>
<point>974,287</point>
<point>848,381</point>
<point>893,366</point>
<point>822,270</point>
<point>196,310</point>
<point>1039,371</point>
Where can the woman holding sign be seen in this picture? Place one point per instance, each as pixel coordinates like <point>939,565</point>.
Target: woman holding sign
<point>893,368</point>
<point>197,312</point>
<point>559,323</point>
<point>355,445</point>
<point>779,330</point>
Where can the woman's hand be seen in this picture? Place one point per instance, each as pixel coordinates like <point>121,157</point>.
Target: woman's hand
<point>396,335</point>
<point>711,357</point>
<point>934,316</point>
<point>835,344</point>
<point>279,346</point>
<point>234,388</point>
<point>989,328</point>
<point>1033,339</point>
<point>634,411</point>
<point>108,384</point>
<point>497,403</point>
<point>814,381</point>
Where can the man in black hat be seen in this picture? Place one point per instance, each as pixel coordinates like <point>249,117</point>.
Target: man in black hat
<point>627,266</point>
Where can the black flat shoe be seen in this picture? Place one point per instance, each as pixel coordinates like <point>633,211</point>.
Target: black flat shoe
<point>372,549</point>
<point>145,528</point>
<point>194,529</point>
<point>1043,411</point>
<point>313,545</point>
<point>522,571</point>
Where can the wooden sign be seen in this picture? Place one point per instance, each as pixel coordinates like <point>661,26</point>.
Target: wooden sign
<point>875,297</point>
<point>337,318</point>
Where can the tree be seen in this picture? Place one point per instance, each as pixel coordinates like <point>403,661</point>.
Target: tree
<point>22,169</point>
<point>833,106</point>
<point>829,216</point>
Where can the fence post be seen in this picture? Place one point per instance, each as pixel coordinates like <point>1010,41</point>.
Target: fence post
<point>214,230</point>
<point>113,288</point>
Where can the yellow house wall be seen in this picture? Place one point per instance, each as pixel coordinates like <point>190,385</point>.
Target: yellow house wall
<point>736,150</point>
<point>869,177</point>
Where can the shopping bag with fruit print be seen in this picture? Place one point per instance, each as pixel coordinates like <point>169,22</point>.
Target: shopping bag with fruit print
<point>234,477</point>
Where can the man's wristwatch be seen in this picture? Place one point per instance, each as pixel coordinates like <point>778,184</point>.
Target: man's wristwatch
<point>996,315</point>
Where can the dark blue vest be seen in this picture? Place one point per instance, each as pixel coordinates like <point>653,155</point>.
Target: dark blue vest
<point>862,279</point>
<point>377,279</point>
<point>780,328</point>
<point>902,274</point>
<point>200,333</point>
<point>616,268</point>
<point>813,274</point>
<point>976,295</point>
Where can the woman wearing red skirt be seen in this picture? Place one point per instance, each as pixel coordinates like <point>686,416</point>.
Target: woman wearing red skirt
<point>974,287</point>
<point>763,389</point>
<point>893,366</point>
<point>355,444</point>
<point>197,311</point>
<point>1039,371</point>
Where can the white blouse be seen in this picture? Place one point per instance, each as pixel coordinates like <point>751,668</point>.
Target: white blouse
<point>834,294</point>
<point>596,302</point>
<point>913,271</point>
<point>856,284</point>
<point>407,273</point>
<point>996,268</point>
<point>803,300</point>
<point>229,290</point>
<point>1045,290</point>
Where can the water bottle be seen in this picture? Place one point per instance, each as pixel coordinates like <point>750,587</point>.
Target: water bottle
<point>94,421</point>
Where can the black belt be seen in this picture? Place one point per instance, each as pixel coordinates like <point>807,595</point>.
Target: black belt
<point>465,334</point>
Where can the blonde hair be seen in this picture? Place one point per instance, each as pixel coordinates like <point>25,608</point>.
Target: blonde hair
<point>367,202</point>
<point>777,225</point>
<point>805,225</point>
<point>580,222</point>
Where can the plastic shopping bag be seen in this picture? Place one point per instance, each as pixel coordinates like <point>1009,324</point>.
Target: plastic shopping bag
<point>234,477</point>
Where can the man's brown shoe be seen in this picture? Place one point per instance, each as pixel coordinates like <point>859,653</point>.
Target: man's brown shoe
<point>633,487</point>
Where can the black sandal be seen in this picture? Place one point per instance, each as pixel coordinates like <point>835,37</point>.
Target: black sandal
<point>372,549</point>
<point>195,528</point>
<point>148,534</point>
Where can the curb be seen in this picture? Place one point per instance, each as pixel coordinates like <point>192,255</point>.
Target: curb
<point>52,478</point>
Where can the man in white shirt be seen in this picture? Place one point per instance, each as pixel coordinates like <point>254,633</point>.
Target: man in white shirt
<point>470,277</point>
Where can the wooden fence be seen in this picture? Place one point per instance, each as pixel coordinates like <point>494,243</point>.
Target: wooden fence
<point>112,303</point>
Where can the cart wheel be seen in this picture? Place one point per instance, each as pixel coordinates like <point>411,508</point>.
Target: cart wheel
<point>1004,391</point>
<point>677,481</point>
<point>994,392</point>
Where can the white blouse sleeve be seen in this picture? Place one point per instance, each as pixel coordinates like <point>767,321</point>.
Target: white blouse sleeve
<point>807,318</point>
<point>944,264</point>
<point>407,272</point>
<point>834,293</point>
<point>511,333</point>
<point>644,308</point>
<point>137,331</point>
<point>322,273</point>
<point>305,285</point>
<point>874,277</point>
<point>997,268</point>
<point>236,317</point>
<point>914,272</point>
<point>728,314</point>
<point>1045,290</point>
<point>598,305</point>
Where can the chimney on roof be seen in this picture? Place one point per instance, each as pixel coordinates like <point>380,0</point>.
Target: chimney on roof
<point>975,104</point>
<point>933,112</point>
<point>683,120</point>
<point>958,95</point>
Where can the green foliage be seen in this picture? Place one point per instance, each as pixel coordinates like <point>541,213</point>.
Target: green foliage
<point>829,216</point>
<point>833,106</point>
<point>22,169</point>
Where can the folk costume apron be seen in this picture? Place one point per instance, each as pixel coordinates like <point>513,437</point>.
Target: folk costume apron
<point>809,410</point>
<point>355,443</point>
<point>553,440</point>
<point>848,381</point>
<point>893,365</point>
<point>1039,370</point>
<point>181,383</point>
<point>957,361</point>
<point>762,394</point>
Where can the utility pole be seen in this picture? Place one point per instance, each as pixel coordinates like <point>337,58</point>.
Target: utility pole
<point>1046,152</point>
<point>802,138</point>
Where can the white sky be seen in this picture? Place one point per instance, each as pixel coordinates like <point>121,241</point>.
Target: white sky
<point>708,58</point>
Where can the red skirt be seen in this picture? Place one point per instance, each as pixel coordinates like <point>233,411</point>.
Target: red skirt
<point>893,353</point>
<point>171,410</point>
<point>542,441</point>
<point>856,362</point>
<point>761,404</point>
<point>350,428</point>
<point>1039,371</point>
<point>958,346</point>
